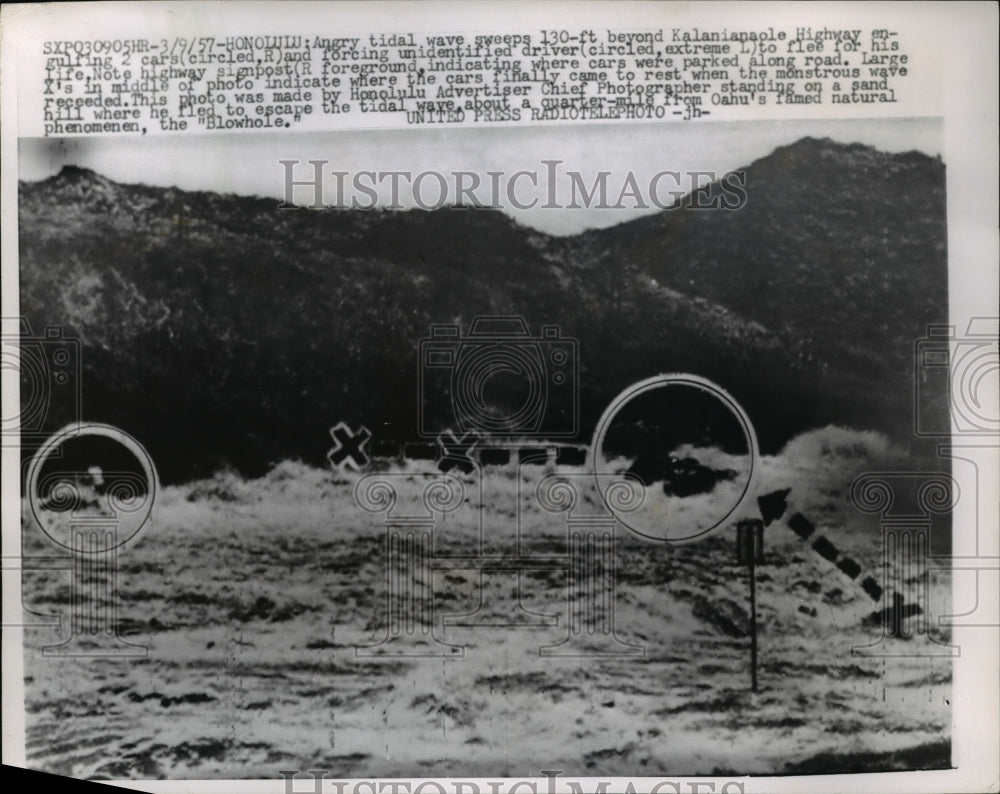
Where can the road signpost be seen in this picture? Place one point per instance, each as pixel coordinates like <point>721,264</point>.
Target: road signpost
<point>750,552</point>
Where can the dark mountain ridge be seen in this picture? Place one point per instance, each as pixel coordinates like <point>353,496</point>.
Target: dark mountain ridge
<point>220,330</point>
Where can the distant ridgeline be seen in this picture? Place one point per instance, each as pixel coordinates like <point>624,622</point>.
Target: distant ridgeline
<point>220,331</point>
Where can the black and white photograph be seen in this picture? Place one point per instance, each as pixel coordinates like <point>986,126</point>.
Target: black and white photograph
<point>477,445</point>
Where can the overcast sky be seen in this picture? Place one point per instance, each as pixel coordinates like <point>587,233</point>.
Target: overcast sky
<point>247,164</point>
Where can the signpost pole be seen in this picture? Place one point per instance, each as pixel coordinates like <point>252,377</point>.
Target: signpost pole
<point>749,552</point>
<point>753,626</point>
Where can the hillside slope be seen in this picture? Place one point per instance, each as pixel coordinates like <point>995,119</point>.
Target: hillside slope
<point>223,331</point>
